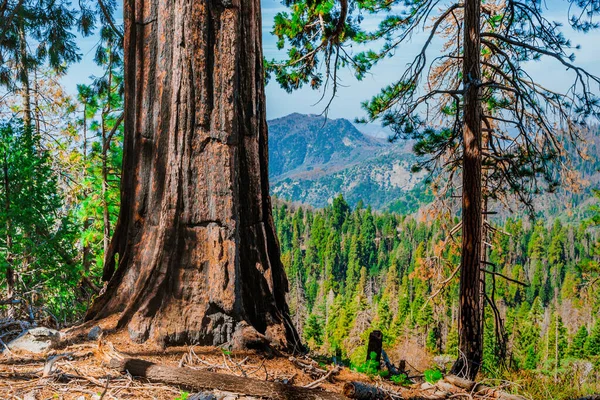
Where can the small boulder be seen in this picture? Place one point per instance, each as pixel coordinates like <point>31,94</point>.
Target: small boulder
<point>444,362</point>
<point>31,395</point>
<point>202,396</point>
<point>35,340</point>
<point>94,333</point>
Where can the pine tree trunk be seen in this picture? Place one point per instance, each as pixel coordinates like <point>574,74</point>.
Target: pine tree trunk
<point>86,256</point>
<point>199,260</point>
<point>470,322</point>
<point>105,211</point>
<point>106,110</point>
<point>10,272</point>
<point>105,146</point>
<point>28,123</point>
<point>24,77</point>
<point>556,348</point>
<point>36,103</point>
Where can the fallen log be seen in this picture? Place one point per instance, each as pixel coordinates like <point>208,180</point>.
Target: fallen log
<point>203,380</point>
<point>481,390</point>
<point>445,386</point>
<point>309,367</point>
<point>462,383</point>
<point>328,376</point>
<point>364,391</point>
<point>493,393</point>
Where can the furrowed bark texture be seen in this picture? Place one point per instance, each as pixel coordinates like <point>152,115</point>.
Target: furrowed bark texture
<point>198,259</point>
<point>470,322</point>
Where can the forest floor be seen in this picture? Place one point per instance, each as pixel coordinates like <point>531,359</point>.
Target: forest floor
<point>76,369</point>
<point>83,375</point>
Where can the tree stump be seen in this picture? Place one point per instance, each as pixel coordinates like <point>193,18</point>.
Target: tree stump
<point>375,346</point>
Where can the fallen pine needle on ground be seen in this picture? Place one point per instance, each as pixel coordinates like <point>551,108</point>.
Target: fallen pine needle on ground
<point>83,369</point>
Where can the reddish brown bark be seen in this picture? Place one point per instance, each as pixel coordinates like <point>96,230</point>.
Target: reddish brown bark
<point>198,259</point>
<point>470,326</point>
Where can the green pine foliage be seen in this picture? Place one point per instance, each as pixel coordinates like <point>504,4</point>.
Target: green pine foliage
<point>62,162</point>
<point>577,347</point>
<point>36,234</point>
<point>364,270</point>
<point>592,344</point>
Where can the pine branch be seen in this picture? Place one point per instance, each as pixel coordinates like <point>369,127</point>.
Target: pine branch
<point>109,19</point>
<point>487,271</point>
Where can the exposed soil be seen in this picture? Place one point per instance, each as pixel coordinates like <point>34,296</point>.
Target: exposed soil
<point>77,369</point>
<point>80,373</point>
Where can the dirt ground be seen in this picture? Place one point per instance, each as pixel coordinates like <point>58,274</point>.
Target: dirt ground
<point>76,370</point>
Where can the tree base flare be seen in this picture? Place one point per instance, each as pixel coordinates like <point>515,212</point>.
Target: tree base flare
<point>214,330</point>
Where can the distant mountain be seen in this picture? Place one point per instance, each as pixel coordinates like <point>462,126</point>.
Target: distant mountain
<point>312,159</point>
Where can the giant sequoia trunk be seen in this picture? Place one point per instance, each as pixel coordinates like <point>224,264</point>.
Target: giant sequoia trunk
<point>470,326</point>
<point>198,259</point>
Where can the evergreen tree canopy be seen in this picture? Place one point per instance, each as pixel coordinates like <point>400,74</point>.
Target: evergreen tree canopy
<point>36,235</point>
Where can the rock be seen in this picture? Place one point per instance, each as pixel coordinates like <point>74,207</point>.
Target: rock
<point>36,340</point>
<point>221,395</point>
<point>31,395</point>
<point>202,396</point>
<point>444,362</point>
<point>94,333</point>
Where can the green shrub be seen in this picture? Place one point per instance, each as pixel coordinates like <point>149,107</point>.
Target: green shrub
<point>182,396</point>
<point>401,379</point>
<point>433,375</point>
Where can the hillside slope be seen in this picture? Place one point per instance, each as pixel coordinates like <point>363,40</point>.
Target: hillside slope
<point>312,159</point>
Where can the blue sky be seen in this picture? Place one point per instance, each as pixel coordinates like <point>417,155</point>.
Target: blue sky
<point>352,93</point>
